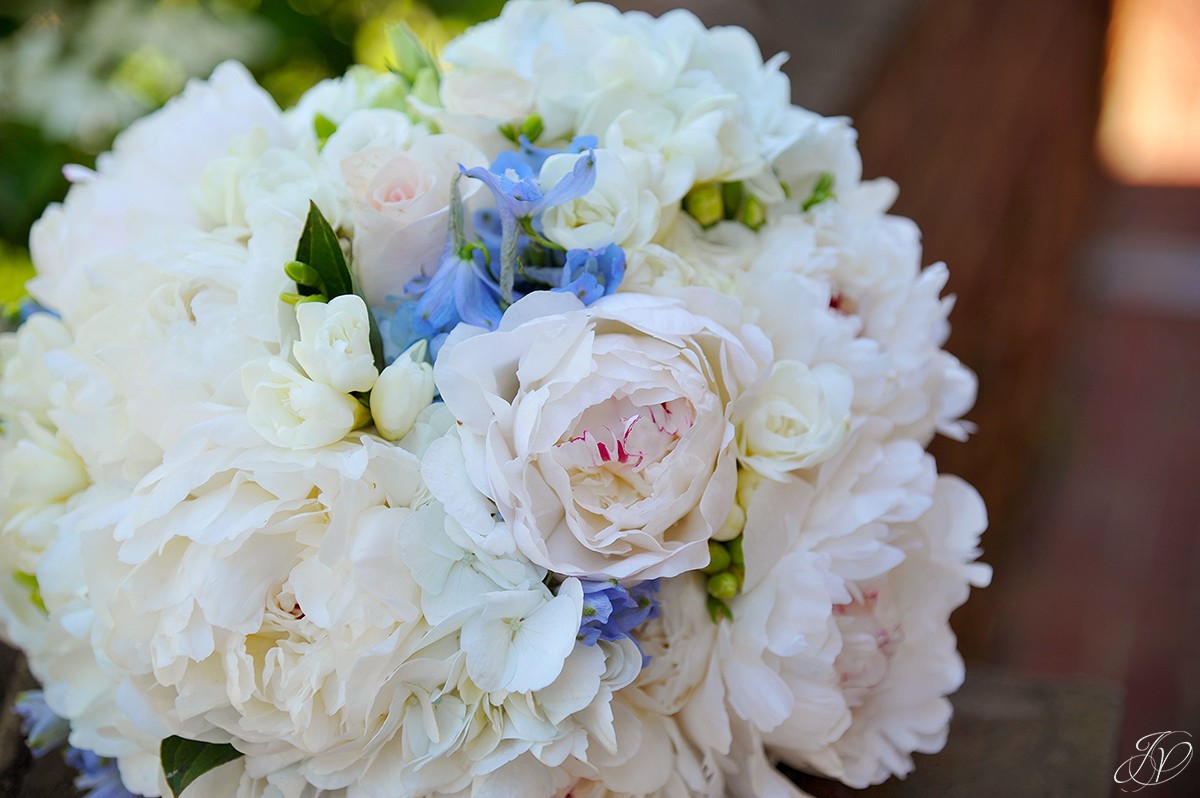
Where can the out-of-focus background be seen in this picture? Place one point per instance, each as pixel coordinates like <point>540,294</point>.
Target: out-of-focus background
<point>1049,150</point>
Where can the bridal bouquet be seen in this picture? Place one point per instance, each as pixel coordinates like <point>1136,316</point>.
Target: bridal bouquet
<point>545,419</point>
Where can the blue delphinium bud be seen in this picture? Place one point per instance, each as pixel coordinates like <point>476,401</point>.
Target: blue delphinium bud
<point>591,274</point>
<point>612,611</point>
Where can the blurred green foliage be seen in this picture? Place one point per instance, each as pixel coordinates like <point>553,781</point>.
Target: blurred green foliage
<point>75,72</point>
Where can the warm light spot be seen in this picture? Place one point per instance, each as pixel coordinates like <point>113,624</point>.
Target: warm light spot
<point>1150,123</point>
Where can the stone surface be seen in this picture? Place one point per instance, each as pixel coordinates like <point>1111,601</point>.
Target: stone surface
<point>1013,735</point>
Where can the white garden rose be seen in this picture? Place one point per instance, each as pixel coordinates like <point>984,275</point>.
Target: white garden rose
<point>799,420</point>
<point>401,209</point>
<point>335,343</point>
<point>620,209</point>
<point>605,434</point>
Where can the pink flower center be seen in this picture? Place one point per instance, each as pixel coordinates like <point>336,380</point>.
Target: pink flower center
<point>868,645</point>
<point>619,433</point>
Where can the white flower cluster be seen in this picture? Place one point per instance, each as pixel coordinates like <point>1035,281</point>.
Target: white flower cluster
<point>603,474</point>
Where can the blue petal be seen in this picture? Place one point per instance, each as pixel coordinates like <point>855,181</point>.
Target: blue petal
<point>574,185</point>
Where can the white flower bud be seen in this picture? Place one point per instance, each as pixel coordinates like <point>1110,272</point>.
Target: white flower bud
<point>335,343</point>
<point>403,390</point>
<point>294,412</point>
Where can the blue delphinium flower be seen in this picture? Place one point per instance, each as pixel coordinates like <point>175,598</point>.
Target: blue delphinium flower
<point>98,776</point>
<point>44,731</point>
<point>535,156</point>
<point>591,274</point>
<point>396,326</point>
<point>514,185</point>
<point>462,289</point>
<point>612,611</point>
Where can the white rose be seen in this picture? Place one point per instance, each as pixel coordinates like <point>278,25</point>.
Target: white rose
<point>799,420</point>
<point>294,412</point>
<point>335,343</point>
<point>619,209</point>
<point>605,434</point>
<point>403,390</point>
<point>366,128</point>
<point>401,208</point>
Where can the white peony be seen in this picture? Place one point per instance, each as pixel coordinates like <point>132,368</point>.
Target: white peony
<point>28,380</point>
<point>605,434</point>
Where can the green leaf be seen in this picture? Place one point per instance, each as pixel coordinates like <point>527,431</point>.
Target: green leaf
<point>373,333</point>
<point>319,248</point>
<point>822,191</point>
<point>184,761</point>
<point>323,128</point>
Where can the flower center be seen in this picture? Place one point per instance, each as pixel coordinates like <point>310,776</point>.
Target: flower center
<point>868,645</point>
<point>615,448</point>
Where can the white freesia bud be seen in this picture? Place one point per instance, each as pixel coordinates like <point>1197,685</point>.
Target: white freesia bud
<point>294,412</point>
<point>800,419</point>
<point>403,390</point>
<point>335,343</point>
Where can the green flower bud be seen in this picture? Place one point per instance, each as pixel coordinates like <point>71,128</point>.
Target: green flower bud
<point>735,551</point>
<point>718,558</point>
<point>705,204</point>
<point>723,586</point>
<point>732,195</point>
<point>753,213</point>
<point>408,53</point>
<point>718,609</point>
<point>533,127</point>
<point>302,273</point>
<point>509,131</point>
